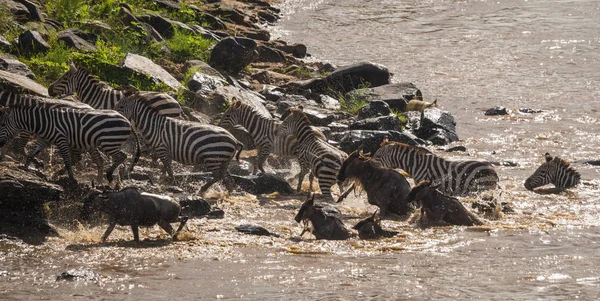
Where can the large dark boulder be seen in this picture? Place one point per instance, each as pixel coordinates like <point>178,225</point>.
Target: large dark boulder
<point>145,66</point>
<point>496,111</point>
<point>263,183</point>
<point>11,64</point>
<point>370,141</point>
<point>374,109</point>
<point>396,95</point>
<point>76,38</point>
<point>348,78</point>
<point>164,26</point>
<point>18,10</point>
<point>22,203</point>
<point>268,54</point>
<point>436,126</point>
<point>20,82</point>
<point>381,123</point>
<point>233,54</point>
<point>32,42</point>
<point>34,11</point>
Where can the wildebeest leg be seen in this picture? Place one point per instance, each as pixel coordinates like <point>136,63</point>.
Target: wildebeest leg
<point>110,228</point>
<point>345,193</point>
<point>166,226</point>
<point>136,232</point>
<point>219,174</point>
<point>118,158</point>
<point>184,220</point>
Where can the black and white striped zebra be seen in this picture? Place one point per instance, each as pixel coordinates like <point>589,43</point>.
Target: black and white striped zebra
<point>207,146</point>
<point>554,171</point>
<point>316,156</point>
<point>8,99</point>
<point>262,129</point>
<point>100,95</point>
<point>71,130</point>
<point>458,178</point>
<point>89,89</point>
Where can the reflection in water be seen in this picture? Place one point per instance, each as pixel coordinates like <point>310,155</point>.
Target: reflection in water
<point>470,55</point>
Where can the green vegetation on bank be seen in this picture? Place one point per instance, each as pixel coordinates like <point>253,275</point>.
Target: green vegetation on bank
<point>115,39</point>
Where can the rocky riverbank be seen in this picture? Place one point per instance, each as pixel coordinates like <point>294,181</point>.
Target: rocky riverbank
<point>204,54</point>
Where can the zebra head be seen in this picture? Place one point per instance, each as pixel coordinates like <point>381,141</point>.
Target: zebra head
<point>554,171</point>
<point>232,117</point>
<point>127,106</point>
<point>294,120</point>
<point>67,83</point>
<point>7,128</point>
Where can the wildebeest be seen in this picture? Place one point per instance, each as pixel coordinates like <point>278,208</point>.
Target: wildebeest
<point>324,225</point>
<point>370,228</point>
<point>130,207</point>
<point>386,188</point>
<point>441,207</point>
<point>418,105</point>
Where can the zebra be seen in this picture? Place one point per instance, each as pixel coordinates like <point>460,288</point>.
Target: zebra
<point>316,156</point>
<point>457,178</point>
<point>89,89</point>
<point>8,99</point>
<point>554,171</point>
<point>72,130</point>
<point>187,142</point>
<point>262,129</point>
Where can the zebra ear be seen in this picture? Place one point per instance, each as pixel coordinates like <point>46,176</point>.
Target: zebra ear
<point>72,65</point>
<point>4,109</point>
<point>301,108</point>
<point>548,157</point>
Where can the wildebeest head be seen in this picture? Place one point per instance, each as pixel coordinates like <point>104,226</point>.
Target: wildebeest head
<point>371,221</point>
<point>306,210</point>
<point>420,191</point>
<point>93,203</point>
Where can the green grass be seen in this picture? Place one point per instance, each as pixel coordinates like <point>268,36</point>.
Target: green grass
<point>400,115</point>
<point>68,12</point>
<point>185,46</point>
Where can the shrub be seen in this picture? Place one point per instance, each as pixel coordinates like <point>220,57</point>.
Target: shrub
<point>186,46</point>
<point>49,66</point>
<point>68,11</point>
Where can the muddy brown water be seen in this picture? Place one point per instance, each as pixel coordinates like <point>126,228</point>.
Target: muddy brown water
<point>470,55</point>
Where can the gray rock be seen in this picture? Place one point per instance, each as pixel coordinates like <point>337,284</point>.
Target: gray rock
<point>256,34</point>
<point>233,54</point>
<point>437,126</point>
<point>81,274</point>
<point>76,38</point>
<point>227,12</point>
<point>297,50</point>
<point>147,67</point>
<point>267,16</point>
<point>219,100</point>
<point>329,102</point>
<point>169,5</point>
<point>370,140</point>
<point>338,127</point>
<point>11,64</point>
<point>204,84</point>
<point>18,10</point>
<point>396,95</point>
<point>268,54</point>
<point>348,78</point>
<point>458,148</point>
<point>212,21</point>
<point>496,111</point>
<point>5,45</point>
<point>375,108</point>
<point>317,116</point>
<point>588,161</point>
<point>21,82</point>
<point>34,11</point>
<point>32,42</point>
<point>381,123</point>
<point>530,111</point>
<point>255,230</point>
<point>164,26</point>
<point>206,34</point>
<point>203,67</point>
<point>271,93</point>
<point>263,183</point>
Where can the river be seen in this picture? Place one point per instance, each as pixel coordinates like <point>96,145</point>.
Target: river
<point>470,55</point>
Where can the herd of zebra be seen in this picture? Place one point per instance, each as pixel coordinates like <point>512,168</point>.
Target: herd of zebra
<point>106,118</point>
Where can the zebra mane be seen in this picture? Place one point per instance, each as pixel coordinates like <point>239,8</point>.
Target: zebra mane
<point>417,149</point>
<point>565,164</point>
<point>301,115</point>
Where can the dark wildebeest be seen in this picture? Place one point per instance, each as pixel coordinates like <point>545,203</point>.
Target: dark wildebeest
<point>324,225</point>
<point>130,207</point>
<point>385,187</point>
<point>370,228</point>
<point>441,207</point>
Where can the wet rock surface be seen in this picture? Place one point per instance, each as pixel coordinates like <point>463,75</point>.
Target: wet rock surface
<point>263,183</point>
<point>396,95</point>
<point>255,230</point>
<point>81,274</point>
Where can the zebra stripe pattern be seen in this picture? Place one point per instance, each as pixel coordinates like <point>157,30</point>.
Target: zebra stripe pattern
<point>554,171</point>
<point>9,99</point>
<point>456,178</point>
<point>89,89</point>
<point>261,128</point>
<point>316,156</point>
<point>72,130</point>
<point>203,145</point>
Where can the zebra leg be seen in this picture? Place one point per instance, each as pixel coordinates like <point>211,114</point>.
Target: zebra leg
<point>65,153</point>
<point>325,189</point>
<point>311,178</point>
<point>303,172</point>
<point>219,174</point>
<point>263,155</point>
<point>39,145</point>
<point>118,158</point>
<point>166,160</point>
<point>97,158</point>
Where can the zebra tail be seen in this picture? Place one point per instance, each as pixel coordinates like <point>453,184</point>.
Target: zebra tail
<point>138,152</point>
<point>241,147</point>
